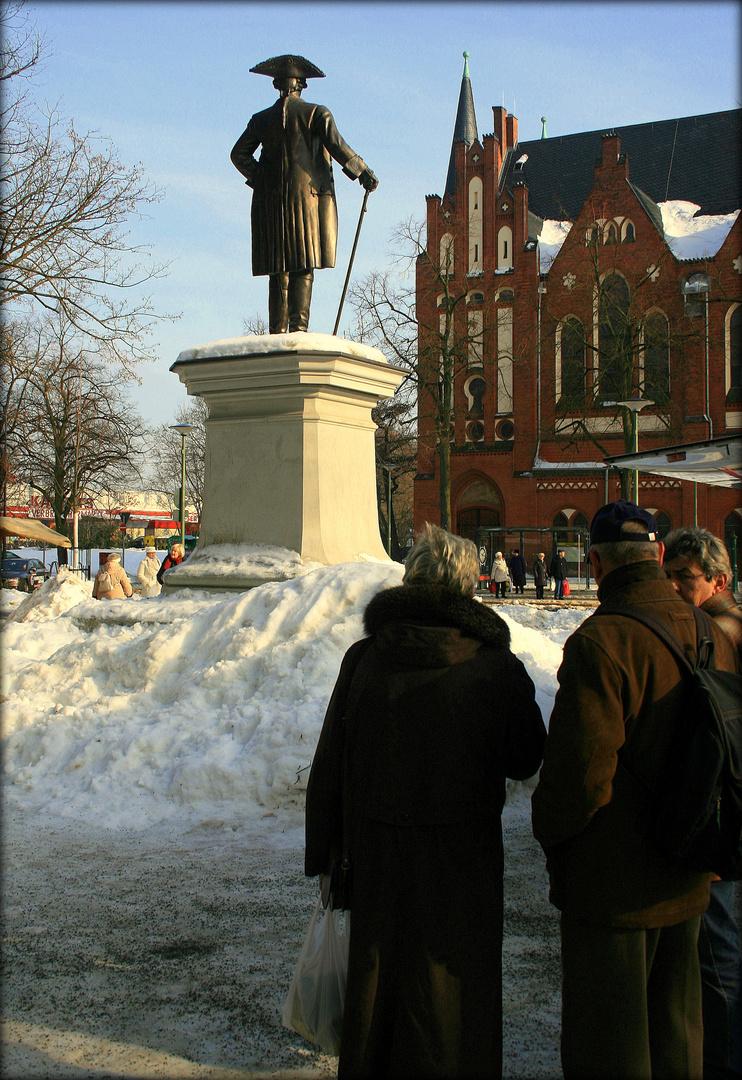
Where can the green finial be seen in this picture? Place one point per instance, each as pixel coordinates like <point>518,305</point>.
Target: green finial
<point>466,65</point>
<point>543,127</point>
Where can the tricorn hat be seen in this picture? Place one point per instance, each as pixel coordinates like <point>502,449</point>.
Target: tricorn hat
<point>288,67</point>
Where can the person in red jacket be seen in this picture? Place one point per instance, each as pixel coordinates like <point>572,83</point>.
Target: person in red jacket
<point>173,558</point>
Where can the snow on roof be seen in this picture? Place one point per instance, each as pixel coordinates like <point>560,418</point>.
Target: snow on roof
<point>694,237</point>
<point>553,234</point>
<point>566,466</point>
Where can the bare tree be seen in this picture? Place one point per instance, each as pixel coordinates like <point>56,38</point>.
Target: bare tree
<point>167,449</point>
<point>66,199</point>
<point>429,332</point>
<point>74,431</point>
<point>256,325</point>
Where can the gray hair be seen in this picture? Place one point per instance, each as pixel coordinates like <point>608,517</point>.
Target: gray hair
<point>623,552</point>
<point>440,558</point>
<point>703,547</point>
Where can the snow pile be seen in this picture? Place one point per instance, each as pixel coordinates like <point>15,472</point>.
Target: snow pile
<point>195,705</point>
<point>553,235</point>
<point>238,562</point>
<point>57,595</point>
<point>694,237</point>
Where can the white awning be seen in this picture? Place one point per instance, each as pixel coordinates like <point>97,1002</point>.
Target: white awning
<point>30,529</point>
<point>714,461</point>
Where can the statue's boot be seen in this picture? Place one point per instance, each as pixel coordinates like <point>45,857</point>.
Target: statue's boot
<point>278,303</point>
<point>300,299</point>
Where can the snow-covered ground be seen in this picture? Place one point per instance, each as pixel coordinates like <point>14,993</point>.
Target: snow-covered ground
<point>155,757</point>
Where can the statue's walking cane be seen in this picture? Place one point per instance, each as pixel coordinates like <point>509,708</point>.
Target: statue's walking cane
<point>350,264</point>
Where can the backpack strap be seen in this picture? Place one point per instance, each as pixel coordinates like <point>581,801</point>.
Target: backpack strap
<point>704,634</point>
<point>704,659</point>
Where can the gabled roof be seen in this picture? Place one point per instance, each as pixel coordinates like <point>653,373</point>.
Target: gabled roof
<point>655,214</point>
<point>465,128</point>
<point>695,158</point>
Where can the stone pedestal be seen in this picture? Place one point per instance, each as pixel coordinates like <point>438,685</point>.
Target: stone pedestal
<point>289,449</point>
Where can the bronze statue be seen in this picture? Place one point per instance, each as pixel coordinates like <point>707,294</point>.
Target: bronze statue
<point>294,214</point>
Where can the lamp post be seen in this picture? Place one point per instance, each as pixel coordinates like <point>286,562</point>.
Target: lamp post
<point>388,466</point>
<point>183,430</point>
<point>635,406</point>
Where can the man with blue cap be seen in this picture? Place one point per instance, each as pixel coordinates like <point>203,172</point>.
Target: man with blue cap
<point>631,987</point>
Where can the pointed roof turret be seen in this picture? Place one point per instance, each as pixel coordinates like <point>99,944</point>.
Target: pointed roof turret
<point>465,129</point>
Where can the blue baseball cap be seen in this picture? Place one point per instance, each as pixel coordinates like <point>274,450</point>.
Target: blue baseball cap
<point>607,525</point>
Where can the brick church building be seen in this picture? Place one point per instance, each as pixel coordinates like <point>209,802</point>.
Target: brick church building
<point>579,272</point>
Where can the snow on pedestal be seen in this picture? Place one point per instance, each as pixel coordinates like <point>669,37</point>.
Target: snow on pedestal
<point>289,453</point>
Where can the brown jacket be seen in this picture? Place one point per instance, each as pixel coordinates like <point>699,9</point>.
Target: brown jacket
<point>618,685</point>
<point>726,612</point>
<point>121,584</point>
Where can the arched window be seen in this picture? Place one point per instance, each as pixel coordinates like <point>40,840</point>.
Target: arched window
<point>505,296</point>
<point>628,232</point>
<point>579,521</point>
<point>734,355</point>
<point>664,525</point>
<point>571,364</point>
<point>475,225</point>
<point>610,236</point>
<point>733,538</point>
<point>475,389</point>
<point>447,267</point>
<point>656,358</point>
<point>505,247</point>
<point>615,354</point>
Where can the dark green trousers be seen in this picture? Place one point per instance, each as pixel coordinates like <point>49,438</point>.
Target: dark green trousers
<point>631,1002</point>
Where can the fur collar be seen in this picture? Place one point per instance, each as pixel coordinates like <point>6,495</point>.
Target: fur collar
<point>436,606</point>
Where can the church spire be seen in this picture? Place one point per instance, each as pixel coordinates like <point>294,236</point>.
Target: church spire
<point>465,129</point>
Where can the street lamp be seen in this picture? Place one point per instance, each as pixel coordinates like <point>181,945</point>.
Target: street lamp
<point>388,466</point>
<point>635,406</point>
<point>183,430</point>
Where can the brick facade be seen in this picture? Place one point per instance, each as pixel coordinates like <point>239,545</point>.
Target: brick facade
<point>534,371</point>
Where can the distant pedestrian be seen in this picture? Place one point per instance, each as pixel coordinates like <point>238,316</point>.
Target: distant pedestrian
<point>111,582</point>
<point>558,571</point>
<point>540,574</point>
<point>173,558</point>
<point>500,575</point>
<point>147,574</point>
<point>518,571</point>
<point>430,713</point>
<point>697,564</point>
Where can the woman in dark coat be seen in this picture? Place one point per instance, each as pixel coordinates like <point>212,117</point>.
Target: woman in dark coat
<point>429,715</point>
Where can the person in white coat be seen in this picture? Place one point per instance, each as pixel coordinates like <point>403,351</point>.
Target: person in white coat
<point>147,574</point>
<point>500,575</point>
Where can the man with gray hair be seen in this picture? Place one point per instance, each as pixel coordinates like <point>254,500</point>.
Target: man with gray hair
<point>631,987</point>
<point>697,564</point>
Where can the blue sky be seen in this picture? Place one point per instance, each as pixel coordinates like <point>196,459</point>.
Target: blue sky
<point>169,83</point>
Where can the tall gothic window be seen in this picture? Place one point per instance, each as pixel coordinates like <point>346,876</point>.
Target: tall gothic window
<point>615,354</point>
<point>656,358</point>
<point>572,365</point>
<point>734,350</point>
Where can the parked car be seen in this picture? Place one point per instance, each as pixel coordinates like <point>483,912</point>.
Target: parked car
<point>23,574</point>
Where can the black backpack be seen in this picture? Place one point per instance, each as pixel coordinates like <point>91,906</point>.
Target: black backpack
<point>698,807</point>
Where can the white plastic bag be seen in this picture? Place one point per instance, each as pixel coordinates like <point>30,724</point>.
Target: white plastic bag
<point>316,997</point>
